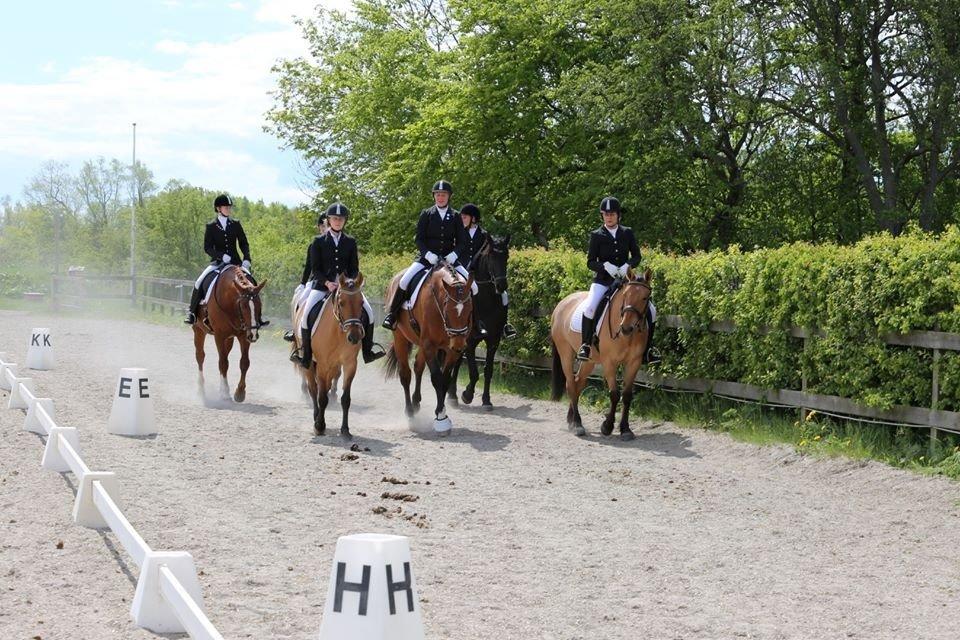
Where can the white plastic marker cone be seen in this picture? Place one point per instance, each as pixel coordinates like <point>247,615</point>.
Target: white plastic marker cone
<point>150,609</point>
<point>372,593</point>
<point>7,373</point>
<point>132,413</point>
<point>40,351</point>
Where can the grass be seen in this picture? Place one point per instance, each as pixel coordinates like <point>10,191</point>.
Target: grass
<point>816,435</point>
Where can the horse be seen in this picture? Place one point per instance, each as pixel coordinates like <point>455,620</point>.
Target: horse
<point>439,324</point>
<point>627,308</point>
<point>491,275</point>
<point>335,344</point>
<point>229,314</point>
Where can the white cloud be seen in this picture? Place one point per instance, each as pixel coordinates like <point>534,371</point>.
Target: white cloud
<point>237,6</point>
<point>193,121</point>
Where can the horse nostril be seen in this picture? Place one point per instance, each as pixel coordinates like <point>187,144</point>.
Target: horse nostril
<point>353,339</point>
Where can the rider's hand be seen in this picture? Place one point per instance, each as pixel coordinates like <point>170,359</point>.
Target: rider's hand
<point>622,271</point>
<point>431,257</point>
<point>331,286</point>
<point>245,264</point>
<point>299,289</point>
<point>226,258</point>
<point>451,257</point>
<point>610,268</point>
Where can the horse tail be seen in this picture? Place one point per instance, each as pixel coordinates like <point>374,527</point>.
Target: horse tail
<point>558,380</point>
<point>392,364</point>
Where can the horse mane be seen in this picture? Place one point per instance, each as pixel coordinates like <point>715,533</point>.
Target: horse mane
<point>451,276</point>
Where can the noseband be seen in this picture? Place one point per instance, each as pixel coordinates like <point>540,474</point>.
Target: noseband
<point>349,322</point>
<point>629,308</point>
<point>443,314</point>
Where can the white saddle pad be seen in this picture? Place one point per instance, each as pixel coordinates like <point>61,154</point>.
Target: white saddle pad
<point>206,298</point>
<point>576,320</point>
<point>413,296</point>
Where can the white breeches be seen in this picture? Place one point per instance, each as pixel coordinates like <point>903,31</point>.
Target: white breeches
<point>596,295</point>
<point>307,288</point>
<point>317,296</point>
<point>213,267</point>
<point>411,271</point>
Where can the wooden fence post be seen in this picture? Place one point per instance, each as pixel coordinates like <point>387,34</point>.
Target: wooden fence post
<point>935,397</point>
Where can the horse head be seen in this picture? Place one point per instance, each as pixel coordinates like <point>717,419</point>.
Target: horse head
<point>492,262</point>
<point>247,298</point>
<point>634,300</point>
<point>348,307</point>
<point>455,304</point>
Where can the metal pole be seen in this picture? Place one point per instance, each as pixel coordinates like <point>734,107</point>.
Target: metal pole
<point>133,221</point>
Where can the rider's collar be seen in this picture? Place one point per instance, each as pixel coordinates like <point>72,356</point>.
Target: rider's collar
<point>222,220</point>
<point>613,231</point>
<point>443,211</point>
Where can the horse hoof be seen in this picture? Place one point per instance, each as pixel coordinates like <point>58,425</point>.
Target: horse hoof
<point>579,431</point>
<point>627,436</point>
<point>345,433</point>
<point>466,397</point>
<point>240,396</point>
<point>488,406</point>
<point>409,411</point>
<point>319,431</point>
<point>607,427</point>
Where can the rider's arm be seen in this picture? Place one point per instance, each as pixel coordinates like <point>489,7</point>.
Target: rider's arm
<point>242,239</point>
<point>352,268</point>
<point>306,269</point>
<point>593,254</point>
<point>421,238</point>
<point>634,249</point>
<point>208,246</point>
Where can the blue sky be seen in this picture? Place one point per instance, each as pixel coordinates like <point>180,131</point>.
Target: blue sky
<point>192,74</point>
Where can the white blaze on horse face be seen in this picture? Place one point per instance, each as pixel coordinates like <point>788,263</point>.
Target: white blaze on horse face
<point>459,308</point>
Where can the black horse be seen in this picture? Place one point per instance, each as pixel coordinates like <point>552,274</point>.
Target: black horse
<point>490,273</point>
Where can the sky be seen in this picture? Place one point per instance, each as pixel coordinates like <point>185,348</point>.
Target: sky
<point>193,75</point>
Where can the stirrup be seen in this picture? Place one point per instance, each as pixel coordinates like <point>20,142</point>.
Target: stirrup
<point>509,332</point>
<point>652,356</point>
<point>584,353</point>
<point>190,319</point>
<point>376,352</point>
<point>288,336</point>
<point>389,322</point>
<point>295,356</point>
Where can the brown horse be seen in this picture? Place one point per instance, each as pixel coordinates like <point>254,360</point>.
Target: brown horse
<point>439,324</point>
<point>230,314</point>
<point>335,344</point>
<point>627,310</point>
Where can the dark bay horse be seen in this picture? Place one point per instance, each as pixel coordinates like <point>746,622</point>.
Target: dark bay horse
<point>623,345</point>
<point>490,271</point>
<point>229,314</point>
<point>438,325</point>
<point>335,343</point>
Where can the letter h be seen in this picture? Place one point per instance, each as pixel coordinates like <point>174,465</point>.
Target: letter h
<point>405,585</point>
<point>362,587</point>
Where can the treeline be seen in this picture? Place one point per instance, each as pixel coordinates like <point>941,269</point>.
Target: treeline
<point>717,122</point>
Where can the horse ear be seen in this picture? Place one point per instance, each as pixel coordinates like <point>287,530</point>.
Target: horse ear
<point>469,284</point>
<point>359,280</point>
<point>648,275</point>
<point>259,287</point>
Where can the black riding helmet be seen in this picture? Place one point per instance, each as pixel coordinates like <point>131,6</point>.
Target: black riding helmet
<point>337,209</point>
<point>222,200</point>
<point>471,210</point>
<point>610,204</point>
<point>443,185</point>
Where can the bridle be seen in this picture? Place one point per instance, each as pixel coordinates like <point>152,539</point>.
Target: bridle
<point>629,308</point>
<point>349,322</point>
<point>484,254</point>
<point>245,296</point>
<point>443,315</point>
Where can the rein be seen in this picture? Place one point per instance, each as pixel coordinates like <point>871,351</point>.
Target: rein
<point>244,296</point>
<point>628,308</point>
<point>443,315</point>
<point>483,256</point>
<point>349,322</point>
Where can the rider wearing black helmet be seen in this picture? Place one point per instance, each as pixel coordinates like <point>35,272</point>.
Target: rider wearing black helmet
<point>470,214</point>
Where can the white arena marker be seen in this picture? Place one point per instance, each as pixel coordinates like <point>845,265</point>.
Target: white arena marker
<point>132,413</point>
<point>85,512</point>
<point>33,420</point>
<point>17,401</point>
<point>52,458</point>
<point>150,609</point>
<point>40,350</point>
<point>372,593</point>
<point>8,373</point>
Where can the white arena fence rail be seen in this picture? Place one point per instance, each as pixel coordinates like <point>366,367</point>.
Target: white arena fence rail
<point>167,606</point>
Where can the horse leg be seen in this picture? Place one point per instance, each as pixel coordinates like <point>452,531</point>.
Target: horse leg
<point>319,415</point>
<point>348,372</point>
<point>611,376</point>
<point>452,387</point>
<point>488,372</point>
<point>419,363</point>
<point>310,384</point>
<point>223,348</point>
<point>470,389</point>
<point>440,378</point>
<point>575,386</point>
<point>199,337</point>
<point>629,375</point>
<point>241,393</point>
<point>401,348</point>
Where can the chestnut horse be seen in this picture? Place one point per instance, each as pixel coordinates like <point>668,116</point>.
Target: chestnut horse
<point>627,311</point>
<point>229,314</point>
<point>335,343</point>
<point>439,324</point>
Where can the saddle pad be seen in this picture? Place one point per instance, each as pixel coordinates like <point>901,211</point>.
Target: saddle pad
<point>316,323</point>
<point>417,284</point>
<point>576,320</point>
<point>216,276</point>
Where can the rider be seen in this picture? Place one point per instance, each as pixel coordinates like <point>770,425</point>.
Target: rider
<point>440,236</point>
<point>470,214</point>
<point>220,243</point>
<point>332,254</point>
<point>306,284</point>
<point>613,249</point>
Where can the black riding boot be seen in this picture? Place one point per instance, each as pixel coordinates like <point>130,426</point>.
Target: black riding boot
<point>399,297</point>
<point>651,355</point>
<point>288,336</point>
<point>195,299</point>
<point>367,345</point>
<point>586,335</point>
<point>307,349</point>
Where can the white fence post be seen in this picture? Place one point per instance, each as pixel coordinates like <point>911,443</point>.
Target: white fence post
<point>17,387</point>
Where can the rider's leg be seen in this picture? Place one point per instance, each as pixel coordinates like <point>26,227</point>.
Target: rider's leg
<point>651,355</point>
<point>587,328</point>
<point>369,353</point>
<point>197,296</point>
<point>508,330</point>
<point>306,349</point>
<point>400,295</point>
<point>300,299</point>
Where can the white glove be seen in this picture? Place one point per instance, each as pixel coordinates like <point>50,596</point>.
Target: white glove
<point>431,257</point>
<point>226,258</point>
<point>451,257</point>
<point>245,264</point>
<point>504,298</point>
<point>299,290</point>
<point>610,268</point>
<point>622,271</point>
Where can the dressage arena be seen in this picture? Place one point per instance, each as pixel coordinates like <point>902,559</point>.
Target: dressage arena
<point>517,529</point>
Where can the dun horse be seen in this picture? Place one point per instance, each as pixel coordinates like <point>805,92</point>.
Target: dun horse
<point>439,324</point>
<point>491,275</point>
<point>623,345</point>
<point>336,343</point>
<point>229,314</point>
